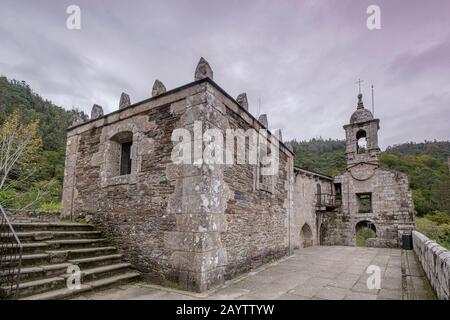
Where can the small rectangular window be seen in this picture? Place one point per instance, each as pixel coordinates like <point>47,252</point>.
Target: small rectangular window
<point>364,202</point>
<point>125,160</point>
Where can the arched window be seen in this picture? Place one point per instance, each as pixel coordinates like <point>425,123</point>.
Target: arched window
<point>120,153</point>
<point>361,141</point>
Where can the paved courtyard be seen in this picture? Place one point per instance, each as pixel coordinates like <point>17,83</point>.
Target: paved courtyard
<point>322,272</point>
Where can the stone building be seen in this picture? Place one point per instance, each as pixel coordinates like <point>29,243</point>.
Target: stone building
<point>187,225</point>
<point>193,225</point>
<point>312,194</point>
<point>366,195</point>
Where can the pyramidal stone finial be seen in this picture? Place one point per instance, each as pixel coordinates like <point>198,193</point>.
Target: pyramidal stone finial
<point>278,134</point>
<point>242,100</point>
<point>158,88</point>
<point>124,101</point>
<point>263,119</point>
<point>97,112</point>
<point>77,118</point>
<point>203,70</point>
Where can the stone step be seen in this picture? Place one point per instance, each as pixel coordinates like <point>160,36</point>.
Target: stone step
<point>50,226</point>
<point>96,261</point>
<point>35,280</point>
<point>102,272</point>
<point>65,292</point>
<point>42,271</point>
<point>75,243</point>
<point>51,235</point>
<point>81,252</point>
<point>30,259</point>
<point>38,286</point>
<point>87,256</point>
<point>38,247</point>
<point>31,247</point>
<point>50,248</point>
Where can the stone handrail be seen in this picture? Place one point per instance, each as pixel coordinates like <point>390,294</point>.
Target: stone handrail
<point>435,261</point>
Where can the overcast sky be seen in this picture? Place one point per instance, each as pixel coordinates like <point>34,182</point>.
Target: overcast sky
<point>300,58</point>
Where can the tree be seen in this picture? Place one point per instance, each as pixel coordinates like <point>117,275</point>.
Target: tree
<point>19,145</point>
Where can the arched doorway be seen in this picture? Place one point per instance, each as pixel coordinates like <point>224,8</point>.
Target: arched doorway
<point>322,234</point>
<point>306,238</point>
<point>364,230</point>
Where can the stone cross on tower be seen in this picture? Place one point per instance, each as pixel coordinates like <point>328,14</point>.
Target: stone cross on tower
<point>359,84</point>
<point>362,136</point>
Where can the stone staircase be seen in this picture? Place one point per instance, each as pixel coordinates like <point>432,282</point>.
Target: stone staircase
<point>50,248</point>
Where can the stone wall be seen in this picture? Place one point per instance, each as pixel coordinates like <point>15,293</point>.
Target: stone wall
<point>257,220</point>
<point>137,210</point>
<point>392,211</point>
<point>305,206</point>
<point>435,261</point>
<point>185,225</point>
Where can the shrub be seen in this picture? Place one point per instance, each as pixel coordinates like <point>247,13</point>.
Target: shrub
<point>363,234</point>
<point>437,232</point>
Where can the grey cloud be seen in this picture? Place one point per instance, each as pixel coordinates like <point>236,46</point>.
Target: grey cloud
<point>300,58</point>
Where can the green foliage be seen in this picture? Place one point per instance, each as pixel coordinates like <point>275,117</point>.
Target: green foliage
<point>50,207</point>
<point>363,234</point>
<point>437,149</point>
<point>433,227</point>
<point>429,179</point>
<point>439,218</point>
<point>44,187</point>
<point>325,156</point>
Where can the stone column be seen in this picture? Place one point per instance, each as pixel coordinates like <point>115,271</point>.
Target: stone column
<point>198,259</point>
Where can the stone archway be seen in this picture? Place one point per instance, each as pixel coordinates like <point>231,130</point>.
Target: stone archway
<point>365,230</point>
<point>306,237</point>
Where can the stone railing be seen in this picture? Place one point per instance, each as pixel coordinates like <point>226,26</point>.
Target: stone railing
<point>435,261</point>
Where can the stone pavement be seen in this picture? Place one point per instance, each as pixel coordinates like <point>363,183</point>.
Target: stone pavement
<point>321,272</point>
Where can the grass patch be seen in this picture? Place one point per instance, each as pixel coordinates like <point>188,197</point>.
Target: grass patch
<point>55,207</point>
<point>431,295</point>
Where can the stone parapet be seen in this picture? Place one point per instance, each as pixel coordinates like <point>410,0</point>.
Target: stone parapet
<point>435,261</point>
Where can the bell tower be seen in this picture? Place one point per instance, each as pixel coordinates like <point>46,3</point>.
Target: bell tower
<point>362,137</point>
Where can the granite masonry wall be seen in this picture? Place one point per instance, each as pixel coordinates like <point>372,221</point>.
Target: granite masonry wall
<point>435,261</point>
<point>306,216</point>
<point>257,219</point>
<point>144,212</point>
<point>392,211</point>
<point>183,225</point>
